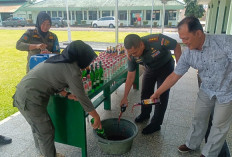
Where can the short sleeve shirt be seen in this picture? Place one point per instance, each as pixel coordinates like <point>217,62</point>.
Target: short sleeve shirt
<point>156,53</point>
<point>214,65</point>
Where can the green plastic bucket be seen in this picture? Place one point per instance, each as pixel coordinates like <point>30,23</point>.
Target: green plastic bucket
<point>119,136</point>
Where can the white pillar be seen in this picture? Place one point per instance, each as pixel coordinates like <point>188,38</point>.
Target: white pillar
<point>229,23</point>
<point>128,19</point>
<point>83,15</point>
<point>71,19</point>
<point>163,18</point>
<point>0,19</point>
<point>220,17</point>
<point>207,19</point>
<point>152,9</point>
<point>214,15</point>
<point>116,22</point>
<point>68,22</point>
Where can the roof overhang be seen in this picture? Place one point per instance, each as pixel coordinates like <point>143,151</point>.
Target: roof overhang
<point>9,9</point>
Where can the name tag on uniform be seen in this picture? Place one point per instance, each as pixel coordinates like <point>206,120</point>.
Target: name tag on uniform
<point>138,60</point>
<point>154,39</point>
<point>155,53</point>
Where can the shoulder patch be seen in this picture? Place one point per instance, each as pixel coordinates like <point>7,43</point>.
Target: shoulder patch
<point>153,39</point>
<point>35,36</point>
<point>166,42</point>
<point>51,37</point>
<point>25,37</point>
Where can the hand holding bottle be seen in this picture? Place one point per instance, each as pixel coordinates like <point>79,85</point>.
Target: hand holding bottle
<point>123,108</point>
<point>100,131</point>
<point>124,102</point>
<point>44,51</point>
<point>156,95</point>
<point>97,121</point>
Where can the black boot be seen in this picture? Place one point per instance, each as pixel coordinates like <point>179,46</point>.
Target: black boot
<point>141,118</point>
<point>144,115</point>
<point>151,128</point>
<point>5,140</point>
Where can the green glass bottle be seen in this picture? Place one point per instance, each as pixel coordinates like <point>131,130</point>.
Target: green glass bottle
<point>100,132</point>
<point>97,75</point>
<point>92,77</point>
<point>84,73</point>
<point>101,76</point>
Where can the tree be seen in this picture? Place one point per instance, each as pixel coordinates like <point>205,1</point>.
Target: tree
<point>31,1</point>
<point>193,9</point>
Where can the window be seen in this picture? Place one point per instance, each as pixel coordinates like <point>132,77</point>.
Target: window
<point>172,14</point>
<point>92,15</point>
<point>60,14</point>
<point>156,15</point>
<point>49,13</point>
<point>69,14</point>
<point>30,16</point>
<point>73,15</point>
<point>105,13</point>
<point>65,15</point>
<point>85,15</point>
<point>54,13</point>
<point>122,15</point>
<point>148,15</point>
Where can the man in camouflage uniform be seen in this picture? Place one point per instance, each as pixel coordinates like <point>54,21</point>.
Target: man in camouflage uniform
<point>39,40</point>
<point>152,51</point>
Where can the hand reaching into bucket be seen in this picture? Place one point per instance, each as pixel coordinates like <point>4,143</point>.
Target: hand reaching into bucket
<point>97,121</point>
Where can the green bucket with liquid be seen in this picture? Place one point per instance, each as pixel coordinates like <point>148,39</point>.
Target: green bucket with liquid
<point>119,136</point>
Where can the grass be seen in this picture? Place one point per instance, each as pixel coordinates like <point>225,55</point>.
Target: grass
<point>13,62</point>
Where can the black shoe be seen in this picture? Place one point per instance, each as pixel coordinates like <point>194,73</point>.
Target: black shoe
<point>141,118</point>
<point>151,128</point>
<point>5,140</point>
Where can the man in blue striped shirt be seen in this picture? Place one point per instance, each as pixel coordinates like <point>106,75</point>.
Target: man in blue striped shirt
<point>211,55</point>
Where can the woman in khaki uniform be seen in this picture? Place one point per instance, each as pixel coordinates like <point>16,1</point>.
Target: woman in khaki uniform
<point>39,40</point>
<point>50,77</point>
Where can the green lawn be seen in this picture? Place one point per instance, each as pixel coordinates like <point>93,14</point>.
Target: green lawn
<point>13,62</point>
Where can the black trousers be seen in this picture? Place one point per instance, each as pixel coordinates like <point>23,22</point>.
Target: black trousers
<point>150,78</point>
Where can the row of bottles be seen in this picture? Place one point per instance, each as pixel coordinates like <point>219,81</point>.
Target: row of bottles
<point>102,69</point>
<point>119,49</point>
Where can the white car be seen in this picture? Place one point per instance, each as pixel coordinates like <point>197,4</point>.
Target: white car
<point>107,21</point>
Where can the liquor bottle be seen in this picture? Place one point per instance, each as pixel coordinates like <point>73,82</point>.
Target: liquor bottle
<point>123,108</point>
<point>92,77</point>
<point>87,71</point>
<point>100,132</point>
<point>101,76</point>
<point>84,73</point>
<point>150,102</point>
<point>85,84</point>
<point>96,75</point>
<point>89,83</point>
<point>110,50</point>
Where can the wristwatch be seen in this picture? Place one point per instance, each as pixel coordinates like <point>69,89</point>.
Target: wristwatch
<point>68,93</point>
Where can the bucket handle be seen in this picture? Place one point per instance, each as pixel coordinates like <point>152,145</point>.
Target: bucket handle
<point>103,143</point>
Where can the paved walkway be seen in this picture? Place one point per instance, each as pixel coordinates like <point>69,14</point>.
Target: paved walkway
<point>160,144</point>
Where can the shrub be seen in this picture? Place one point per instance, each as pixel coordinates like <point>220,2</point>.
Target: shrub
<point>145,22</point>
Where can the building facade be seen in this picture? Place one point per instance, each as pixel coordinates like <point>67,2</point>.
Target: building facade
<point>86,11</point>
<point>219,16</point>
<point>9,7</point>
